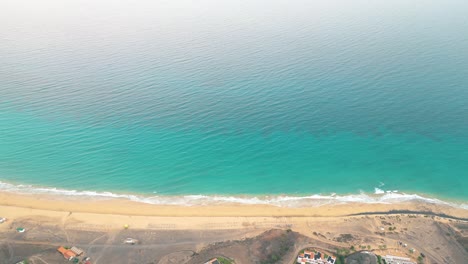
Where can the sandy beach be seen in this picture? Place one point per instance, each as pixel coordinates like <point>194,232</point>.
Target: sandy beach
<point>130,208</point>
<point>323,225</point>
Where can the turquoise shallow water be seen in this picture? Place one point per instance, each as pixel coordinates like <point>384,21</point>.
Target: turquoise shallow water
<point>232,99</point>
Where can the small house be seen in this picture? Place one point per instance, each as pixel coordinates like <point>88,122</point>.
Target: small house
<point>77,251</point>
<point>66,253</point>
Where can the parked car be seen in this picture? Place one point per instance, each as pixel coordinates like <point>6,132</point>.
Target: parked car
<point>2,220</point>
<point>130,241</point>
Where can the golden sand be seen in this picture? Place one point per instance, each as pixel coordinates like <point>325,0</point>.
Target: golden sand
<point>114,213</point>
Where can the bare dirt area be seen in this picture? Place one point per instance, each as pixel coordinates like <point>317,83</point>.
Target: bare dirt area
<point>273,246</point>
<point>244,240</point>
<point>43,236</point>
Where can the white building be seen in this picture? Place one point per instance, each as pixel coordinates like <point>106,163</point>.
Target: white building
<point>309,257</point>
<point>397,260</point>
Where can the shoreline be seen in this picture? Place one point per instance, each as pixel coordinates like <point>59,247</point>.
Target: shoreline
<point>278,200</point>
<point>118,206</point>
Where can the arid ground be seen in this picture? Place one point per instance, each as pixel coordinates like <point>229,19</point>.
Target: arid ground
<point>242,239</point>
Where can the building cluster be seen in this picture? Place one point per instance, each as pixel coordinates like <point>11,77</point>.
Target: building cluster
<point>73,254</point>
<point>397,260</point>
<point>309,257</point>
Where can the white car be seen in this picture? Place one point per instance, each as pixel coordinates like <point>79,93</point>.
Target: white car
<point>2,220</point>
<point>130,241</point>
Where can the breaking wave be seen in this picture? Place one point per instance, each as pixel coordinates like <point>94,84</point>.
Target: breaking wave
<point>379,196</point>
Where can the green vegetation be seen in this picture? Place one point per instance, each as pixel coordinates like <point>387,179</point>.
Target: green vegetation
<point>392,228</point>
<point>382,247</point>
<point>380,260</point>
<point>224,260</point>
<point>352,248</point>
<point>341,254</point>
<point>340,259</point>
<point>342,251</point>
<point>420,260</point>
<point>285,244</point>
<point>368,247</point>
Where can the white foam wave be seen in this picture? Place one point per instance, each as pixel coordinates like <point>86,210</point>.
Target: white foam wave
<point>378,191</point>
<point>380,196</point>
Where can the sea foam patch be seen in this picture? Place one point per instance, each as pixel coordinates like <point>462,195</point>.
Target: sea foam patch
<point>380,196</point>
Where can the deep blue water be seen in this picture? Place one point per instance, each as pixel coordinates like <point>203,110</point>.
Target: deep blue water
<point>235,97</point>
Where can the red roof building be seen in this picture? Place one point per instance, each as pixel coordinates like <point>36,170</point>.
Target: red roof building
<point>66,253</point>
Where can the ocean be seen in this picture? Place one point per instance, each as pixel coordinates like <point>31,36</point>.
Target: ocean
<point>275,102</point>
